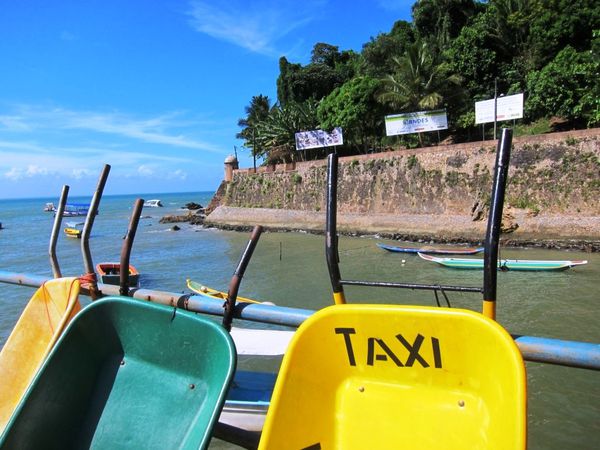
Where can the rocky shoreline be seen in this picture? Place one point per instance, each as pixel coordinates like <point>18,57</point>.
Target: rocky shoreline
<point>554,232</point>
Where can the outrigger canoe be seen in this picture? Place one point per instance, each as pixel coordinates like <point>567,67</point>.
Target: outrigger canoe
<point>505,264</point>
<point>110,273</point>
<point>432,250</point>
<point>213,293</point>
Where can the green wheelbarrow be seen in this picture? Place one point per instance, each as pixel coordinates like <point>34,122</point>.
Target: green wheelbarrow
<point>127,374</point>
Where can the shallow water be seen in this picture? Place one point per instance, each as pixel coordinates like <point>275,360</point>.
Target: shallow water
<point>289,269</point>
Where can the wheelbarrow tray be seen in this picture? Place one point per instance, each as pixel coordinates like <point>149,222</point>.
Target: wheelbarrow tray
<point>127,374</point>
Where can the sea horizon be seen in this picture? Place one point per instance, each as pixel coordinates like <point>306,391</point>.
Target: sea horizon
<point>148,195</point>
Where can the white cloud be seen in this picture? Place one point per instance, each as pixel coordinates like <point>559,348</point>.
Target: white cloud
<point>17,173</point>
<point>73,146</point>
<point>33,170</point>
<point>13,123</point>
<point>177,175</point>
<point>14,174</point>
<point>152,130</point>
<point>79,173</point>
<point>255,26</point>
<point>145,171</point>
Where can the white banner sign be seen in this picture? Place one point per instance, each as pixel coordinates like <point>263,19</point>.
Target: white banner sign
<point>416,122</point>
<point>507,108</point>
<point>318,138</point>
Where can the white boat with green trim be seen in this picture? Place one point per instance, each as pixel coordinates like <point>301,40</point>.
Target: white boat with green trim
<point>504,264</point>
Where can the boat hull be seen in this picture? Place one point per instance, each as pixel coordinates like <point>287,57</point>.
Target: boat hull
<point>524,265</point>
<point>207,292</point>
<point>73,233</point>
<point>110,273</point>
<point>432,250</point>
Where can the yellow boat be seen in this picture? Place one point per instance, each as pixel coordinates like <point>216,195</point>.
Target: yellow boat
<point>41,323</point>
<point>213,293</point>
<point>72,233</point>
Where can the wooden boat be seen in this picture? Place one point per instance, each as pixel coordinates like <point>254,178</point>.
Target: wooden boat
<point>432,250</point>
<point>43,320</point>
<point>109,383</point>
<point>504,264</point>
<point>110,273</point>
<point>213,293</point>
<point>374,376</point>
<point>72,232</point>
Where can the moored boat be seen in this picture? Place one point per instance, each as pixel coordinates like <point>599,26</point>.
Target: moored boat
<point>505,264</point>
<point>110,273</point>
<point>72,232</point>
<point>432,250</point>
<point>205,291</point>
<point>76,209</point>
<point>49,207</point>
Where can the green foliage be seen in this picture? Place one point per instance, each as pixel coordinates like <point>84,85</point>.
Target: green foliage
<point>558,23</point>
<point>419,81</point>
<point>354,108</point>
<point>454,52</point>
<point>328,69</point>
<point>277,131</point>
<point>566,87</point>
<point>540,126</point>
<point>472,55</point>
<point>442,20</point>
<point>411,162</point>
<point>378,52</point>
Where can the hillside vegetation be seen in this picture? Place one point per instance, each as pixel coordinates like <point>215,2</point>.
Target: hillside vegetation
<point>452,54</point>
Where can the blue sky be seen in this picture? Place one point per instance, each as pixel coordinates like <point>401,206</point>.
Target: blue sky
<point>153,88</point>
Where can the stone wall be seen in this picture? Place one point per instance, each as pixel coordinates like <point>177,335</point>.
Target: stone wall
<point>554,174</point>
<point>436,194</point>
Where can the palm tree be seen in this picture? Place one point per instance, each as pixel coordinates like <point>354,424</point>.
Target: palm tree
<point>257,111</point>
<point>418,82</point>
<point>279,129</point>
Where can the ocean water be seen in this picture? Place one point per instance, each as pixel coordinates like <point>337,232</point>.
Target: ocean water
<point>289,269</point>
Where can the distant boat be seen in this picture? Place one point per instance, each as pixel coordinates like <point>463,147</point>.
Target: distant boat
<point>76,209</point>
<point>432,250</point>
<point>49,207</point>
<point>72,232</point>
<point>154,203</point>
<point>504,264</point>
<point>110,273</point>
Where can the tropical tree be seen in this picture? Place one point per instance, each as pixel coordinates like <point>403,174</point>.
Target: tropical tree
<point>566,87</point>
<point>440,21</point>
<point>256,111</point>
<point>276,134</point>
<point>378,52</point>
<point>418,81</point>
<point>354,108</point>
